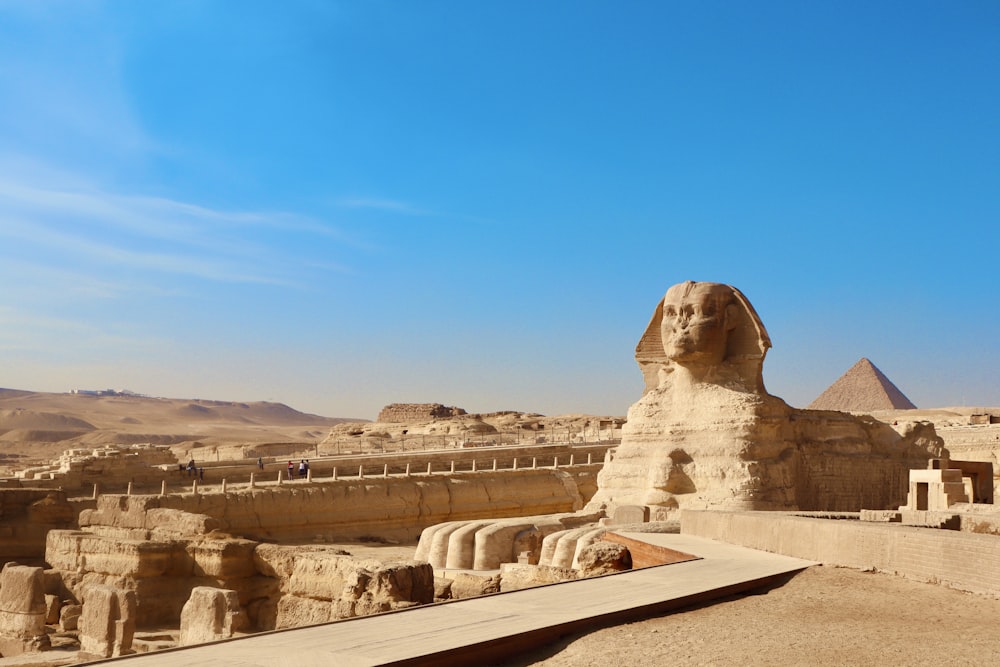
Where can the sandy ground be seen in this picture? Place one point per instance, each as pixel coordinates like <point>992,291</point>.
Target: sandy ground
<point>822,616</point>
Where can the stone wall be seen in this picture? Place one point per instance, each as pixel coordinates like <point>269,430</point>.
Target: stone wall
<point>395,508</point>
<point>965,561</point>
<point>277,585</point>
<point>26,515</point>
<point>411,412</point>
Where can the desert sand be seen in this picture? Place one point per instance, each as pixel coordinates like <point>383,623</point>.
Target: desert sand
<point>822,616</point>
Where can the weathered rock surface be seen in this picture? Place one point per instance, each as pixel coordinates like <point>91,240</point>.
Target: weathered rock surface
<point>603,558</point>
<point>517,576</point>
<point>26,515</point>
<point>69,617</point>
<point>408,412</point>
<point>318,586</point>
<point>22,610</point>
<point>107,623</point>
<point>466,585</point>
<point>211,614</point>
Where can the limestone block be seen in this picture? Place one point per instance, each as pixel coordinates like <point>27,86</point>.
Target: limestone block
<point>107,623</point>
<point>223,558</point>
<point>69,617</point>
<point>52,606</point>
<point>467,585</point>
<point>442,588</point>
<point>164,522</point>
<point>516,576</point>
<point>629,514</point>
<point>71,551</point>
<point>603,558</point>
<point>211,614</point>
<point>22,609</point>
<point>319,586</point>
<point>293,612</point>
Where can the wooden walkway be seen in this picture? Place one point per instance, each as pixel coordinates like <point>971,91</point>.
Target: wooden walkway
<point>478,630</point>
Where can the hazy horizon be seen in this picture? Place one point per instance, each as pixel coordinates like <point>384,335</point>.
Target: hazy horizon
<point>341,205</point>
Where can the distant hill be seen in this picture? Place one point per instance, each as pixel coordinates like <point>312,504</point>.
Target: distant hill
<point>40,425</point>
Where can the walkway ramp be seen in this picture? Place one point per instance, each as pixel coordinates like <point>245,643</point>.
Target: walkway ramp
<point>478,630</point>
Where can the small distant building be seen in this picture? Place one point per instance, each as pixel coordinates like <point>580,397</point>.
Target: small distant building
<point>984,419</point>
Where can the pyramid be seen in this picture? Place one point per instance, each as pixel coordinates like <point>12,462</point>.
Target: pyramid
<point>863,388</point>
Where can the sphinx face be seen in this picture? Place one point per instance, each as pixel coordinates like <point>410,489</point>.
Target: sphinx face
<point>695,327</point>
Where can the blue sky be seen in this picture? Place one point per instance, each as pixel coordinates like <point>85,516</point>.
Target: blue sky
<point>340,205</point>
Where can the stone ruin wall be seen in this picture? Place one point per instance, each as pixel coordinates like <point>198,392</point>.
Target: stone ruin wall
<point>82,468</point>
<point>415,412</point>
<point>163,547</point>
<point>390,508</point>
<point>845,464</point>
<point>26,516</point>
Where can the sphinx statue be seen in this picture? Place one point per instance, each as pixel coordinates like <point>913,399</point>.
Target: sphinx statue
<point>706,434</point>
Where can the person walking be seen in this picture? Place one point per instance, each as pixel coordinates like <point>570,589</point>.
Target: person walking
<point>260,462</point>
<point>291,471</point>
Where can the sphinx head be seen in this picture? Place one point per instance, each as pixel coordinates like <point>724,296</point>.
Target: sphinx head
<point>709,329</point>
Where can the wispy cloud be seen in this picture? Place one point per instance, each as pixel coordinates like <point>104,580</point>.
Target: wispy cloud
<point>382,205</point>
<point>156,234</point>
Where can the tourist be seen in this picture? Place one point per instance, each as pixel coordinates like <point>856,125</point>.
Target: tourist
<point>302,468</point>
<point>201,474</point>
<point>190,468</point>
<point>291,470</point>
<point>260,462</point>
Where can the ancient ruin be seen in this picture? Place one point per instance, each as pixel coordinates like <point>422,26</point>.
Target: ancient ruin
<point>706,435</point>
<point>863,388</point>
<point>409,412</point>
<point>501,501</point>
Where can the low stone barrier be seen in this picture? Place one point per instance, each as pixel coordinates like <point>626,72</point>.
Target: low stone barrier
<point>965,561</point>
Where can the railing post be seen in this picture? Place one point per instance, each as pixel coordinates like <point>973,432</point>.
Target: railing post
<point>407,469</point>
<point>163,488</point>
<point>452,467</point>
<point>361,472</point>
<point>494,465</point>
<point>429,464</point>
<point>335,473</point>
<point>194,487</point>
<point>128,490</point>
<point>253,481</point>
<point>534,462</point>
<point>385,470</point>
<point>224,486</point>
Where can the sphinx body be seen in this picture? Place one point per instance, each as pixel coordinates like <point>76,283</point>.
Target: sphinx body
<point>706,434</point>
